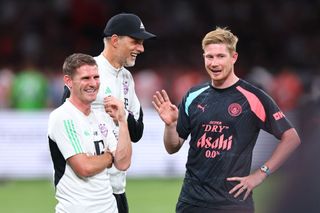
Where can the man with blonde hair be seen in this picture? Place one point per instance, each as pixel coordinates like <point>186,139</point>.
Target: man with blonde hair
<point>223,117</point>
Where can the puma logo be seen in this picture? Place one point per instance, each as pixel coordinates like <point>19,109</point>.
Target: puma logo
<point>201,107</point>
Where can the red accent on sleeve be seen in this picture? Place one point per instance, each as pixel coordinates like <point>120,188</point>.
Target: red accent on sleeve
<point>254,102</point>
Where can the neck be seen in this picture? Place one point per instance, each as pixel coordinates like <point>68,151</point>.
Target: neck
<point>225,83</point>
<point>111,58</point>
<point>83,107</point>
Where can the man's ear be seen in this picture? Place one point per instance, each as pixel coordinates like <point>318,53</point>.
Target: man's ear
<point>67,81</point>
<point>114,40</point>
<point>234,57</point>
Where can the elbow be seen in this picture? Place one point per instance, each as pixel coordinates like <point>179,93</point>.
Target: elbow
<point>135,127</point>
<point>292,137</point>
<point>122,161</point>
<point>298,142</point>
<point>170,150</point>
<point>123,166</point>
<point>135,139</point>
<point>84,171</point>
<point>296,139</point>
<point>136,135</point>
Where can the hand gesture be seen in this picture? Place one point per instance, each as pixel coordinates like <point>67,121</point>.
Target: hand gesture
<point>115,108</point>
<point>246,184</point>
<point>167,111</point>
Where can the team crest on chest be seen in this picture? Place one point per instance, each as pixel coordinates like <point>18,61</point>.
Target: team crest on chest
<point>234,109</point>
<point>125,85</point>
<point>103,129</point>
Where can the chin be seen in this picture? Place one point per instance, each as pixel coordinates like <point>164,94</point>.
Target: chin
<point>130,64</point>
<point>92,98</point>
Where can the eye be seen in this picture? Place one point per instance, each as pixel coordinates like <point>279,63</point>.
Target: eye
<point>208,56</point>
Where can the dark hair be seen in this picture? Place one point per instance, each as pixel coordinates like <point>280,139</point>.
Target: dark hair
<point>76,60</point>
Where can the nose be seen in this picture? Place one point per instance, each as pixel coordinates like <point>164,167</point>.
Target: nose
<point>213,62</point>
<point>94,82</point>
<point>140,48</point>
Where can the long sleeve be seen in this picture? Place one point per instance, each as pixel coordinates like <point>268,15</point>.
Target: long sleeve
<point>66,94</point>
<point>135,126</point>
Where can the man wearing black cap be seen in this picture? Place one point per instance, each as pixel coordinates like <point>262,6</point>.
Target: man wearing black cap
<point>123,40</point>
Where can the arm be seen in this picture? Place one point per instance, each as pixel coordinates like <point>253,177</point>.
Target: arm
<point>289,142</point>
<point>123,153</point>
<point>172,141</point>
<point>87,166</point>
<point>169,115</point>
<point>135,126</point>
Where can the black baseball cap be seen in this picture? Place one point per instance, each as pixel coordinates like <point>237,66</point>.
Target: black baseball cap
<point>127,24</point>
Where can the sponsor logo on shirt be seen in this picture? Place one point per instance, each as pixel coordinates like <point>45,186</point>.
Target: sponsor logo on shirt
<point>278,115</point>
<point>212,145</point>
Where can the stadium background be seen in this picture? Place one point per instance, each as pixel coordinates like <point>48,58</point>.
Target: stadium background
<point>278,51</point>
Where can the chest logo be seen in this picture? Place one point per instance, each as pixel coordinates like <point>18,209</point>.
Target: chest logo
<point>234,109</point>
<point>125,85</point>
<point>201,107</point>
<point>103,130</point>
<point>108,91</point>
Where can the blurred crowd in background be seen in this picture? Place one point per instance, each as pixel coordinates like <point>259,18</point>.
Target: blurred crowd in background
<point>278,47</point>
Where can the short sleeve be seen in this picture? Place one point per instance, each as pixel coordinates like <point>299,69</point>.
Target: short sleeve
<point>65,134</point>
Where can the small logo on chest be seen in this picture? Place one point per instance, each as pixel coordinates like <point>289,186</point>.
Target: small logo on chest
<point>234,109</point>
<point>125,85</point>
<point>103,130</point>
<point>199,106</point>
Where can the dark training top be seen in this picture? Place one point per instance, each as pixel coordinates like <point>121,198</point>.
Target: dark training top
<point>224,125</point>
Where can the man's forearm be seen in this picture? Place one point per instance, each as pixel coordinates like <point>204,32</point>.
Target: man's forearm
<point>88,165</point>
<point>289,142</point>
<point>123,152</point>
<point>172,141</point>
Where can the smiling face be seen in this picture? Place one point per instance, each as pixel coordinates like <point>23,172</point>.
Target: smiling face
<point>84,85</point>
<point>219,63</point>
<point>128,50</point>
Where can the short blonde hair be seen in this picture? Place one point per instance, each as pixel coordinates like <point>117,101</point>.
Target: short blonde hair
<point>221,36</point>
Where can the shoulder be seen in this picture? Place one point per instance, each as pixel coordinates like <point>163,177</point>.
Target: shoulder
<point>57,118</point>
<point>198,87</point>
<point>126,73</point>
<point>248,88</point>
<point>63,112</point>
<point>197,90</point>
<point>98,58</point>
